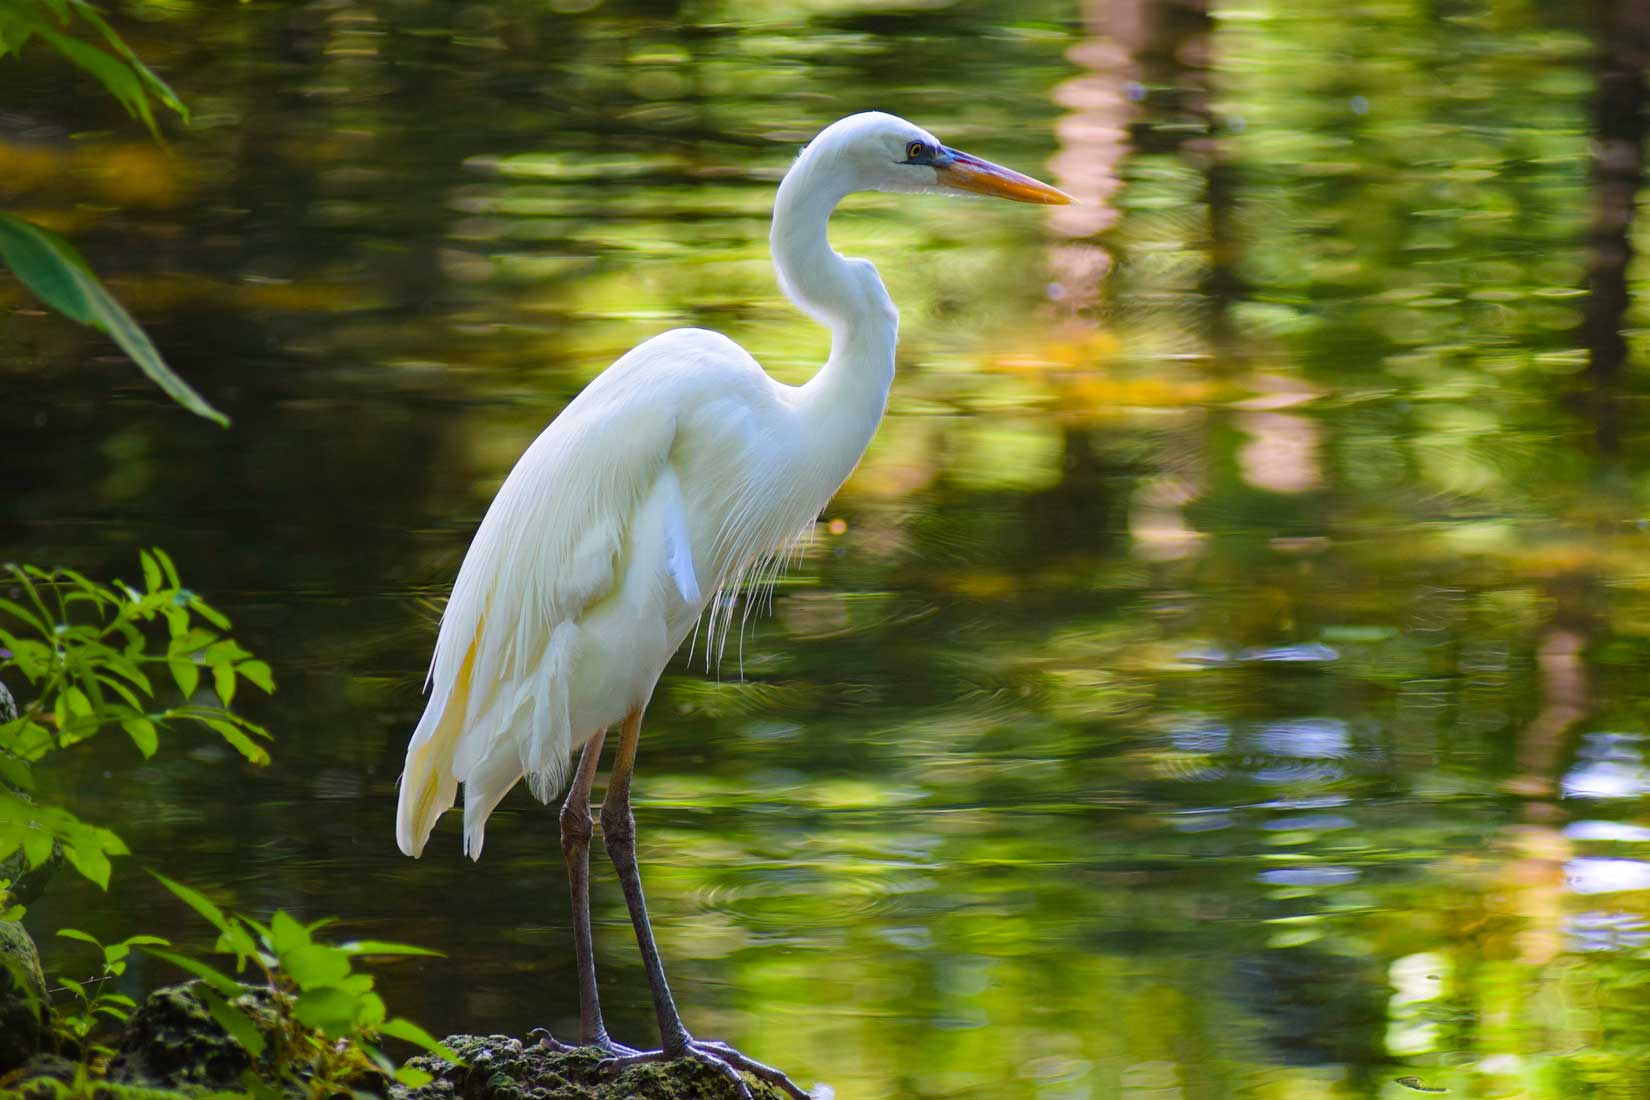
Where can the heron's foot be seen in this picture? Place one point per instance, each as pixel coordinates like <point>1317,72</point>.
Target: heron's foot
<point>725,1060</point>
<point>603,1043</point>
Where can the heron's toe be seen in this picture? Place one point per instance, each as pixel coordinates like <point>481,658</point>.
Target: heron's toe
<point>772,1076</point>
<point>699,1052</point>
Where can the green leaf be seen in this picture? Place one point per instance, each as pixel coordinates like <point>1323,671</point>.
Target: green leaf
<point>126,694</point>
<point>413,1077</point>
<point>223,680</point>
<point>385,947</point>
<point>258,673</point>
<point>151,571</point>
<point>372,1012</point>
<point>15,772</point>
<point>142,733</point>
<point>48,266</point>
<point>37,847</point>
<point>187,674</point>
<point>92,864</point>
<point>52,269</point>
<point>315,965</point>
<point>220,982</point>
<point>401,1028</point>
<point>83,937</point>
<point>169,569</point>
<point>118,78</point>
<point>156,86</point>
<point>209,613</point>
<point>122,665</point>
<point>287,935</point>
<point>357,984</point>
<point>239,1025</point>
<point>376,1057</point>
<point>196,901</point>
<point>237,941</point>
<point>79,705</point>
<point>23,614</point>
<point>328,1009</point>
<point>230,732</point>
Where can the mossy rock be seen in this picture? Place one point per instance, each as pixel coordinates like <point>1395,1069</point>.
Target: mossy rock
<point>501,1068</point>
<point>22,996</point>
<point>172,1041</point>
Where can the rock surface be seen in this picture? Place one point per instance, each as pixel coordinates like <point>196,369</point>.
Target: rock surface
<point>172,1042</point>
<point>501,1068</point>
<point>22,995</point>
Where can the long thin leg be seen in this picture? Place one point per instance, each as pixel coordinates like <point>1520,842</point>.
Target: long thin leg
<point>619,831</point>
<point>575,846</point>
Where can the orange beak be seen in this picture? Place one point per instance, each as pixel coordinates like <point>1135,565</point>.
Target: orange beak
<point>970,173</point>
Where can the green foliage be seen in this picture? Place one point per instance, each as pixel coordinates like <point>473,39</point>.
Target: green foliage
<point>329,1020</point>
<point>94,1003</point>
<point>49,266</point>
<point>46,263</point>
<point>86,1085</point>
<point>92,654</point>
<point>126,77</point>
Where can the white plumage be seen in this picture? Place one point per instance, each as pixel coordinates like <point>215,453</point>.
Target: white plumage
<point>678,472</point>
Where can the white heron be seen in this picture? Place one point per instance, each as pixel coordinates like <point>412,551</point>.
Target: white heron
<point>680,472</point>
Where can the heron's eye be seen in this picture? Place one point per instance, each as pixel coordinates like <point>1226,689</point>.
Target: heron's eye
<point>915,151</point>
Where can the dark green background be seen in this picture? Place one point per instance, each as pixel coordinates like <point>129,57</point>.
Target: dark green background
<point>1230,677</point>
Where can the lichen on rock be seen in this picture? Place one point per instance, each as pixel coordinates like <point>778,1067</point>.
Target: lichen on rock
<point>22,996</point>
<point>498,1067</point>
<point>172,1041</point>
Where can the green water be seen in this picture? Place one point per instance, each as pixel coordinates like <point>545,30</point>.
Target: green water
<point>1226,676</point>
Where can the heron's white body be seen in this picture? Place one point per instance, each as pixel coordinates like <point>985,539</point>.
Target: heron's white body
<point>678,472</point>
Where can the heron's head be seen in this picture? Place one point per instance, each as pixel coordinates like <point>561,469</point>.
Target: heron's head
<point>883,152</point>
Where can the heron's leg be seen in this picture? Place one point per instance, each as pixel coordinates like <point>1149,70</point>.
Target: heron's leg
<point>575,846</point>
<point>619,831</point>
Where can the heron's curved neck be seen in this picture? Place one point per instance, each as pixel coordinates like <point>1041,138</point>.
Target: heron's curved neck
<point>846,296</point>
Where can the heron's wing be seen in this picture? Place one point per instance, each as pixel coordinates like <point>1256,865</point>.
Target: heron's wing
<point>550,546</point>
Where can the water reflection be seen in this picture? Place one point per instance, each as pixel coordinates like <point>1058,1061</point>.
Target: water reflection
<point>1223,677</point>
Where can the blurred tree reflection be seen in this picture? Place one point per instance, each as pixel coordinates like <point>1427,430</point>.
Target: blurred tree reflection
<point>1224,675</point>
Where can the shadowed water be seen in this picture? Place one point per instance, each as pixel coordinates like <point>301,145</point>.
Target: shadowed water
<point>1225,675</point>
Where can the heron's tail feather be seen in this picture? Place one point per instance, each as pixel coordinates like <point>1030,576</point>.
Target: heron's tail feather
<point>519,728</point>
<point>428,785</point>
<point>484,788</point>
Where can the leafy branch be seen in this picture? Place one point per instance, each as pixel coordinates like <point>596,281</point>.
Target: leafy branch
<point>90,654</point>
<point>329,1020</point>
<point>45,262</point>
<point>125,76</point>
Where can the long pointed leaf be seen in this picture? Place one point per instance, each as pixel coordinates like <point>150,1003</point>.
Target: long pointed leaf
<point>157,87</point>
<point>52,269</point>
<point>216,979</point>
<point>118,78</point>
<point>197,901</point>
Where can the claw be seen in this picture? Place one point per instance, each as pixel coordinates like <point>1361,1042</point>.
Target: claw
<point>550,1042</point>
